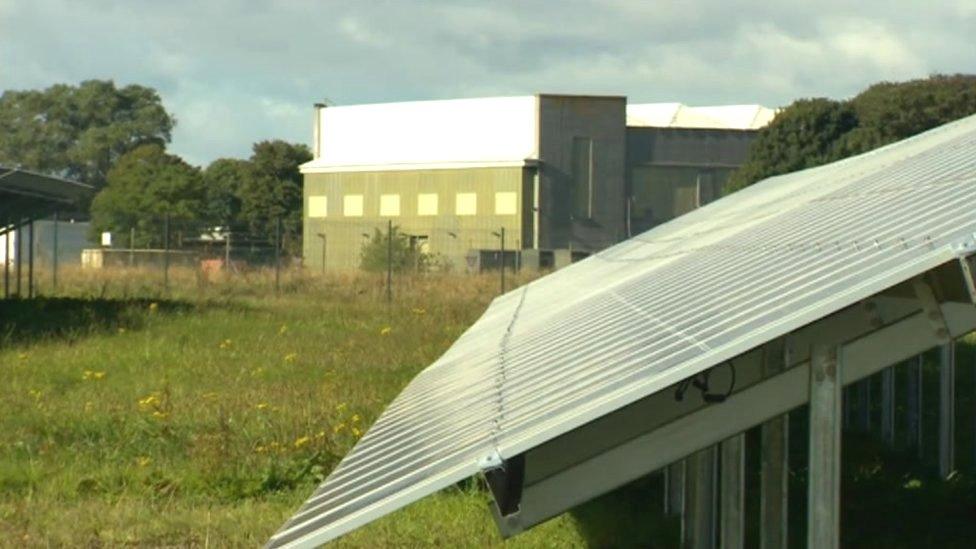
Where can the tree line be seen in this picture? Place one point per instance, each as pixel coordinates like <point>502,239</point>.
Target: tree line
<point>115,138</point>
<point>812,132</point>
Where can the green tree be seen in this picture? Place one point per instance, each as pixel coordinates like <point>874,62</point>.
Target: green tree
<point>223,180</point>
<point>811,132</point>
<point>145,186</point>
<point>274,189</point>
<point>375,253</point>
<point>79,131</point>
<point>804,134</point>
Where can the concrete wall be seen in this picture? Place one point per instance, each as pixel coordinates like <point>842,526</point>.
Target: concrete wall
<point>562,121</point>
<point>448,235</point>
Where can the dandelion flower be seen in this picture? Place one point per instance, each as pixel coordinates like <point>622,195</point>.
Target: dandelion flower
<point>385,331</point>
<point>356,432</point>
<point>290,357</point>
<point>338,428</point>
<point>282,330</point>
<point>143,461</point>
<point>302,441</point>
<point>160,414</point>
<point>262,406</point>
<point>225,344</point>
<point>355,418</point>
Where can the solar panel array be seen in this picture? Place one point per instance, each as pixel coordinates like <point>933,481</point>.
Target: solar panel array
<point>655,309</point>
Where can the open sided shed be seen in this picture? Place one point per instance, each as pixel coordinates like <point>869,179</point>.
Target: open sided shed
<point>762,301</point>
<point>25,197</point>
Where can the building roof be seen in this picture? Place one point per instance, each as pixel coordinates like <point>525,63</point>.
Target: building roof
<point>25,194</point>
<point>492,131</point>
<point>677,115</point>
<point>636,318</point>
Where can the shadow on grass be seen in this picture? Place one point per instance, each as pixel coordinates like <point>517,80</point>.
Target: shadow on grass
<point>62,318</point>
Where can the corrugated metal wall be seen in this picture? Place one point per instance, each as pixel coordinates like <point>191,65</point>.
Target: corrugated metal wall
<point>449,236</point>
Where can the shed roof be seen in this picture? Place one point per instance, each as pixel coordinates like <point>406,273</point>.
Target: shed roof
<point>677,115</point>
<point>630,321</point>
<point>26,194</point>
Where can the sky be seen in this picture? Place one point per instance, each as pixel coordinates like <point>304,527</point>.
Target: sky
<point>238,71</point>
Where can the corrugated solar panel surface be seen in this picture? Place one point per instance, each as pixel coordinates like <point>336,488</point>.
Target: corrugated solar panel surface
<point>660,307</point>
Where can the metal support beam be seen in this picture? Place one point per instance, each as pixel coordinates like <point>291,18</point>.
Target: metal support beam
<point>674,488</point>
<point>888,405</point>
<point>732,493</point>
<point>610,452</point>
<point>823,509</point>
<point>698,524</point>
<point>774,463</point>
<point>947,409</point>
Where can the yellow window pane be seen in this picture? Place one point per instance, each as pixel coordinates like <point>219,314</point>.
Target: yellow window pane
<point>466,204</point>
<point>352,205</point>
<point>427,204</point>
<point>389,204</point>
<point>318,206</point>
<point>506,203</point>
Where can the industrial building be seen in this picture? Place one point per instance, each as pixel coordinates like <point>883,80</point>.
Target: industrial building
<point>560,176</point>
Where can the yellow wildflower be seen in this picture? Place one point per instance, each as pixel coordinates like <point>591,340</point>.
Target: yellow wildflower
<point>282,330</point>
<point>290,357</point>
<point>320,434</point>
<point>385,331</point>
<point>419,311</point>
<point>91,375</point>
<point>149,401</point>
<point>338,428</point>
<point>209,395</point>
<point>153,307</point>
<point>143,461</point>
<point>340,407</point>
<point>262,405</point>
<point>160,414</point>
<point>225,344</point>
<point>121,330</point>
<point>355,418</point>
<point>356,432</point>
<point>302,441</point>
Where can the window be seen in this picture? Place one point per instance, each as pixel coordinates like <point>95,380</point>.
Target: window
<point>427,204</point>
<point>582,177</point>
<point>390,205</point>
<point>506,203</point>
<point>466,204</point>
<point>352,205</point>
<point>318,206</point>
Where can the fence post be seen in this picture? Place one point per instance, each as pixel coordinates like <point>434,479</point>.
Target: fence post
<point>54,257</point>
<point>227,251</point>
<point>389,263</point>
<point>166,254</point>
<point>278,255</point>
<point>132,246</point>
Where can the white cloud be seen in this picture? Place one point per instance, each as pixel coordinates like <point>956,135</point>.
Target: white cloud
<point>238,71</point>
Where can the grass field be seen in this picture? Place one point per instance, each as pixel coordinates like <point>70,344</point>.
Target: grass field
<point>206,416</point>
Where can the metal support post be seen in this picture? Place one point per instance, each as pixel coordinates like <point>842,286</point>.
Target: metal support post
<point>166,253</point>
<point>54,256</point>
<point>389,263</point>
<point>502,237</point>
<point>774,464</point>
<point>6,260</point>
<point>20,255</point>
<point>277,255</point>
<point>732,493</point>
<point>30,259</point>
<point>913,394</point>
<point>823,519</point>
<point>888,405</point>
<point>227,251</point>
<point>698,530</point>
<point>674,488</point>
<point>947,409</point>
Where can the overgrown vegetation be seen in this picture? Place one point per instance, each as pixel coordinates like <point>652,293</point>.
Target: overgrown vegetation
<point>811,132</point>
<point>402,255</point>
